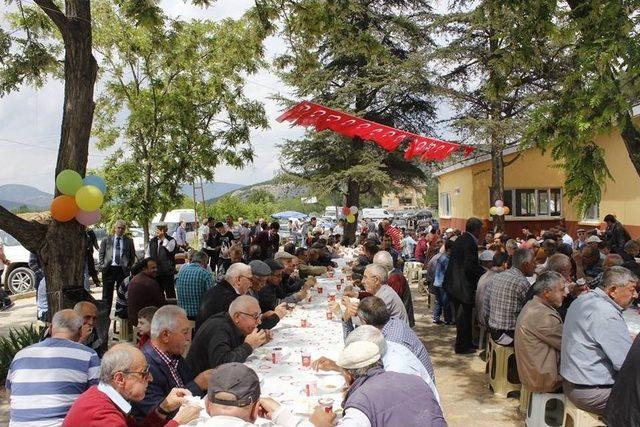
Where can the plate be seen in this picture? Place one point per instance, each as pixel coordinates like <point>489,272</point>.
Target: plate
<point>331,384</point>
<point>304,405</point>
<point>264,353</point>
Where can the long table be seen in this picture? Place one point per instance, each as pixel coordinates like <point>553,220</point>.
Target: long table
<point>287,381</point>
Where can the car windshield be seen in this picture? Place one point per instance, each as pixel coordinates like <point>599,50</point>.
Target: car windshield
<point>136,233</point>
<point>8,239</point>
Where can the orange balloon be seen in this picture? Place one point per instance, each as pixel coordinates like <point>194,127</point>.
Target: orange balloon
<point>506,210</point>
<point>64,208</point>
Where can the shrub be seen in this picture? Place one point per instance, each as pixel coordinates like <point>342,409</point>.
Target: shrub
<point>13,343</point>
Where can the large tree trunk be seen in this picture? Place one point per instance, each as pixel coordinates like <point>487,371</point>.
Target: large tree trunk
<point>61,246</point>
<point>351,198</point>
<point>497,182</point>
<point>631,138</point>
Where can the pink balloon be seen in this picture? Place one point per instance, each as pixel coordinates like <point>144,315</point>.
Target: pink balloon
<point>499,203</point>
<point>88,218</point>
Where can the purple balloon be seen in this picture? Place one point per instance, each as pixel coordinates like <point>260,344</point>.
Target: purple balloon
<point>88,218</point>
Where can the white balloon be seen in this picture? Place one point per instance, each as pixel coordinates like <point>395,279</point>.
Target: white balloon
<point>500,211</point>
<point>353,210</point>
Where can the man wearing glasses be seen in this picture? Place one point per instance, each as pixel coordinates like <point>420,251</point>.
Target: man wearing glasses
<point>115,259</point>
<point>228,336</point>
<point>124,377</point>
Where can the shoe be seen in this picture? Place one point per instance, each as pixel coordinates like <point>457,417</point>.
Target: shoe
<point>7,306</point>
<point>449,323</point>
<point>467,351</point>
<point>438,322</point>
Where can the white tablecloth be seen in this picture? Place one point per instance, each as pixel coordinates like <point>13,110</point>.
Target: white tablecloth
<point>632,318</point>
<point>285,382</point>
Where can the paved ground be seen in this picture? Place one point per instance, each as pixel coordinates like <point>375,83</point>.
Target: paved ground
<point>461,381</point>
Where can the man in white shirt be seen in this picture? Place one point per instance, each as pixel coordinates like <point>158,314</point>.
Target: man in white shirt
<point>374,280</point>
<point>115,259</point>
<point>566,239</point>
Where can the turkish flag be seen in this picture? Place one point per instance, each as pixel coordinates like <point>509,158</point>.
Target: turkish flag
<point>322,118</point>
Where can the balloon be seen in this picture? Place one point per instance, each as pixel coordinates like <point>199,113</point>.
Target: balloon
<point>492,210</point>
<point>506,210</point>
<point>88,218</point>
<point>68,182</point>
<point>345,210</point>
<point>353,210</point>
<point>63,208</point>
<point>351,218</point>
<point>499,203</point>
<point>89,198</point>
<point>96,181</point>
<point>500,211</point>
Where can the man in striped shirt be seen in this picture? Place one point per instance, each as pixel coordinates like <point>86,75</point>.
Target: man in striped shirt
<point>46,378</point>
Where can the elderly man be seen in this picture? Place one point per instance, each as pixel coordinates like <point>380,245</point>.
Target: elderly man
<point>381,398</point>
<point>305,269</point>
<point>538,335</point>
<point>41,395</point>
<point>144,290</point>
<point>163,249</point>
<point>192,282</point>
<point>373,311</point>
<point>498,265</point>
<point>170,337</point>
<point>397,282</point>
<point>374,281</point>
<point>260,273</point>
<point>236,282</point>
<point>89,332</point>
<point>588,262</point>
<point>595,340</point>
<point>460,281</point>
<point>124,377</point>
<point>115,258</point>
<point>273,295</point>
<point>228,337</point>
<point>507,295</point>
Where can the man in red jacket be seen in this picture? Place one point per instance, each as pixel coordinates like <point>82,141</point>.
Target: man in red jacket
<point>124,377</point>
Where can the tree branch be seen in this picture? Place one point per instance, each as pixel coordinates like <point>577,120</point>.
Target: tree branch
<point>30,233</point>
<point>56,15</point>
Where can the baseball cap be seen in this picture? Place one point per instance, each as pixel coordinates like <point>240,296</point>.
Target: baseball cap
<point>259,268</point>
<point>594,239</point>
<point>274,265</point>
<point>238,381</point>
<point>282,255</point>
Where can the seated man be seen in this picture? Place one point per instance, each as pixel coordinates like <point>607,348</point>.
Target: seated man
<point>272,294</point>
<point>41,395</point>
<point>369,249</point>
<point>170,336</point>
<point>144,290</point>
<point>588,262</point>
<point>291,282</point>
<point>234,399</point>
<point>539,335</point>
<point>193,281</point>
<point>623,405</point>
<point>397,282</point>
<point>260,273</point>
<point>596,340</point>
<point>377,397</point>
<point>374,281</point>
<point>89,333</point>
<point>305,268</point>
<point>124,376</point>
<point>227,337</point>
<point>498,265</point>
<point>236,282</point>
<point>507,295</point>
<point>373,311</point>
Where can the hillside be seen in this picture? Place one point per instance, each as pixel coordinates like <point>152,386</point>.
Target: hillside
<point>16,195</point>
<point>277,190</point>
<point>212,190</point>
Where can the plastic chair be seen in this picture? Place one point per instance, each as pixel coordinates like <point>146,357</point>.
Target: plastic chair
<point>500,359</point>
<point>122,329</point>
<point>545,409</point>
<point>525,400</point>
<point>574,417</point>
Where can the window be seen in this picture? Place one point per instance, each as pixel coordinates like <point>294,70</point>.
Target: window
<point>543,203</point>
<point>445,204</point>
<point>555,202</point>
<point>531,202</point>
<point>525,202</point>
<point>593,213</point>
<point>406,200</point>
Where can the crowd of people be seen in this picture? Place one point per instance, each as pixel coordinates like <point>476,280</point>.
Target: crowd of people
<point>557,300</point>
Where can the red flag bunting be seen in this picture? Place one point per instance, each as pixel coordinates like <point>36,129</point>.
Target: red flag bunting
<point>310,114</point>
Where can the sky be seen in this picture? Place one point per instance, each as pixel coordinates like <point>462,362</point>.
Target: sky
<point>30,119</point>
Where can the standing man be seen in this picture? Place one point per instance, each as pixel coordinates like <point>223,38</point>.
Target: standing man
<point>163,249</point>
<point>180,235</point>
<point>192,282</point>
<point>460,281</point>
<point>115,258</point>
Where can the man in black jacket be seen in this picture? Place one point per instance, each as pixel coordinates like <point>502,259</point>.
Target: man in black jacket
<point>461,280</point>
<point>115,259</point>
<point>163,249</point>
<point>236,282</point>
<point>227,337</point>
<point>623,405</point>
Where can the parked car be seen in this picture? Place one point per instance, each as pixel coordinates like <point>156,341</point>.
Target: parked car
<point>18,278</point>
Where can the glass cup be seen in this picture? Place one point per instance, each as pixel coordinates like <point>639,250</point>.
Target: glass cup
<point>306,359</point>
<point>332,296</point>
<point>304,322</point>
<point>329,315</point>
<point>319,289</point>
<point>276,355</point>
<point>311,388</point>
<point>326,403</point>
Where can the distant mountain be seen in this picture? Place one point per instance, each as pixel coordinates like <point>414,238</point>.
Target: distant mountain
<point>212,190</point>
<point>277,189</point>
<point>16,195</point>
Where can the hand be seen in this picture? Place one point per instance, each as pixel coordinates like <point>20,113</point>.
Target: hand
<point>6,262</point>
<point>267,406</point>
<point>295,274</point>
<point>351,311</point>
<point>187,413</point>
<point>85,332</point>
<point>202,380</point>
<point>324,364</point>
<point>176,397</point>
<point>575,290</point>
<point>256,338</point>
<point>281,310</point>
<point>320,418</point>
<point>308,284</point>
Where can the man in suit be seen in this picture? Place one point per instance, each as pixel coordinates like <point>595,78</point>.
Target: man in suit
<point>163,249</point>
<point>170,337</point>
<point>461,280</point>
<point>115,258</point>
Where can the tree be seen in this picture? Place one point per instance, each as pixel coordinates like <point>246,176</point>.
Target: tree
<point>181,84</point>
<point>602,41</point>
<point>491,85</point>
<point>29,57</point>
<point>365,57</point>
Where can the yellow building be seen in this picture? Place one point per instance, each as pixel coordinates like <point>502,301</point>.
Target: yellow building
<point>534,191</point>
<point>407,198</point>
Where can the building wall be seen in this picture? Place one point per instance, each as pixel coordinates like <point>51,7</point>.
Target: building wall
<point>392,200</point>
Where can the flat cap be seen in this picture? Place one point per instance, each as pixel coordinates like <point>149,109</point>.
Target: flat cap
<point>259,268</point>
<point>593,239</point>
<point>359,354</point>
<point>274,265</point>
<point>282,255</point>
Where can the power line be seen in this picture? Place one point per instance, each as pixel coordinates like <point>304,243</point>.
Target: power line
<point>26,144</point>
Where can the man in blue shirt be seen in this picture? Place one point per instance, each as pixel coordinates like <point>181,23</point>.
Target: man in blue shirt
<point>596,340</point>
<point>192,282</point>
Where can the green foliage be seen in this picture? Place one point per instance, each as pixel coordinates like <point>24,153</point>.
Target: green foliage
<point>13,343</point>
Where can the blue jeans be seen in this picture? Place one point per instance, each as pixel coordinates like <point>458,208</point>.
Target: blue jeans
<point>442,304</point>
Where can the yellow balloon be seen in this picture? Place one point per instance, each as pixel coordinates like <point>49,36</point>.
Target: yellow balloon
<point>351,218</point>
<point>89,198</point>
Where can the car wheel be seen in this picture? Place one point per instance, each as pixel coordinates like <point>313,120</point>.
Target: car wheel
<point>21,280</point>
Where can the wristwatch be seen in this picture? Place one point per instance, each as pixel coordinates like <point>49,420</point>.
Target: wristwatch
<point>163,411</point>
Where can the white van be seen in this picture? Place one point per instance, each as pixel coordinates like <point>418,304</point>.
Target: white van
<point>173,219</point>
<point>330,212</point>
<point>375,213</point>
<point>18,277</point>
